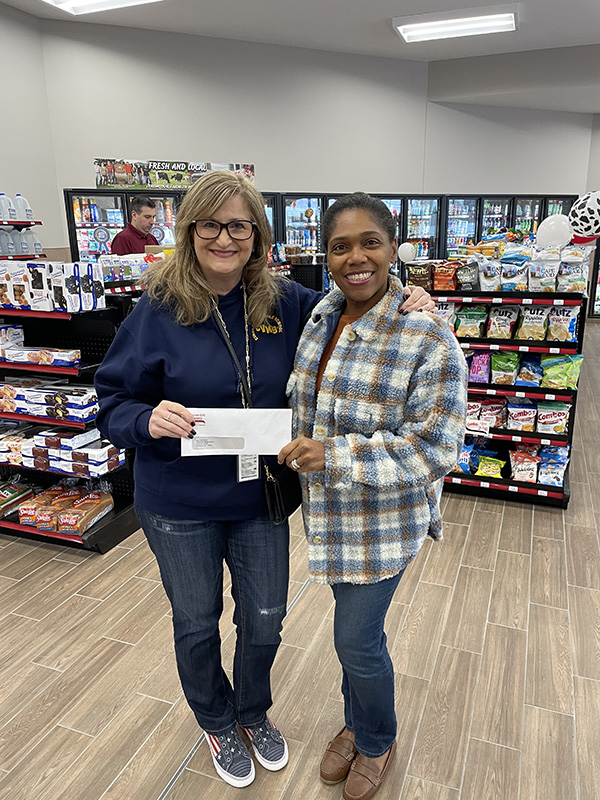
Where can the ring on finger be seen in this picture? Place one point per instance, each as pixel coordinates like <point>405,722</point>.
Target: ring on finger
<point>169,415</point>
<point>294,464</point>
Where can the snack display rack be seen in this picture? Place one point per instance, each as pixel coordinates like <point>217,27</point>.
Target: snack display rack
<point>19,225</point>
<point>505,488</point>
<point>91,332</point>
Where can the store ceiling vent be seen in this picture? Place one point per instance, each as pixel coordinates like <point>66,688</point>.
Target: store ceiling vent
<point>452,24</point>
<point>92,6</point>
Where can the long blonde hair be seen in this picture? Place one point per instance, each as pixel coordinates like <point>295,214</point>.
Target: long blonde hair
<point>177,283</point>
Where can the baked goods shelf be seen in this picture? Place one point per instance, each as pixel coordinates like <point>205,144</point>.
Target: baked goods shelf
<point>534,392</point>
<point>83,368</point>
<point>62,423</point>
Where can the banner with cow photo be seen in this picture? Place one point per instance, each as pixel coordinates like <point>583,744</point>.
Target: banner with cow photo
<point>117,173</point>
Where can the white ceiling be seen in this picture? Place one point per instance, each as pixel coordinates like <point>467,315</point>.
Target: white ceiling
<point>358,26</point>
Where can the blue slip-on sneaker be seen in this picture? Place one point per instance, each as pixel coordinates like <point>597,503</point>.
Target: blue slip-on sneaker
<point>231,758</point>
<point>270,748</point>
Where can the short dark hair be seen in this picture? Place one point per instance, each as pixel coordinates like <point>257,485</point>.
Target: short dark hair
<point>141,202</point>
<point>359,201</point>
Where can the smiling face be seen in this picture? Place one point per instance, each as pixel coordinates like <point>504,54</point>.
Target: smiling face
<point>359,254</point>
<point>223,259</point>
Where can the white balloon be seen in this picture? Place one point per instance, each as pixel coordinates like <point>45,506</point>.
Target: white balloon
<point>407,252</point>
<point>554,231</point>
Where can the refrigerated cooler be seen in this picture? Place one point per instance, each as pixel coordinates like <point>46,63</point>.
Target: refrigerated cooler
<point>302,221</point>
<point>527,214</point>
<point>560,204</point>
<point>461,227</point>
<point>495,214</point>
<point>95,216</point>
<point>423,225</point>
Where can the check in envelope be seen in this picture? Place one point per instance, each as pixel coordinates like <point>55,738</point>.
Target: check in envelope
<point>238,431</point>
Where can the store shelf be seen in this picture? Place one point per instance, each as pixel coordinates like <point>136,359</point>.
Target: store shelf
<point>61,423</point>
<point>510,298</point>
<point>502,435</point>
<point>23,258</point>
<point>60,473</point>
<point>27,223</point>
<point>48,368</point>
<point>83,225</point>
<point>131,287</point>
<point>518,346</point>
<point>501,487</point>
<point>534,392</point>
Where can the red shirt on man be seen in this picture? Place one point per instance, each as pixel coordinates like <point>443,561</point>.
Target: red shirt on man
<point>130,240</point>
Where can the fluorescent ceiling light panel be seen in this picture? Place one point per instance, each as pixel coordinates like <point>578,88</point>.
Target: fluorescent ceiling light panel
<point>91,6</point>
<point>450,25</point>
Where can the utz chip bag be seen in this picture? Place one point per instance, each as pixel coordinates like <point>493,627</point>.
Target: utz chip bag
<point>480,367</point>
<point>521,416</point>
<point>494,411</point>
<point>444,276</point>
<point>470,321</point>
<point>502,321</point>
<point>420,274</point>
<point>505,367</point>
<point>447,311</point>
<point>553,417</point>
<point>489,275</point>
<point>468,276</point>
<point>530,372</point>
<point>490,467</point>
<point>562,324</point>
<point>533,323</point>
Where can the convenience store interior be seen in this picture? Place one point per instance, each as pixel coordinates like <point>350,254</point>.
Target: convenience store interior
<point>494,632</point>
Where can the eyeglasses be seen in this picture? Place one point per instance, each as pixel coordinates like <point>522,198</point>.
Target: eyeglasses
<point>211,229</point>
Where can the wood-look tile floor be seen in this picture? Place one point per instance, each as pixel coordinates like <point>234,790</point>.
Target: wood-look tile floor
<point>494,633</point>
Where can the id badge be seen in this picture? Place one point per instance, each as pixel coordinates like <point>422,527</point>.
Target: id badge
<point>247,468</point>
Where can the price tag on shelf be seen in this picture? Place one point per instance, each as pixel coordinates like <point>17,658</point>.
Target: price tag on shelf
<point>549,397</point>
<point>519,394</point>
<point>467,299</point>
<point>465,345</point>
<point>456,480</point>
<point>545,441</point>
<point>494,347</point>
<point>491,391</point>
<point>523,348</point>
<point>513,488</point>
<point>496,300</point>
<point>516,438</point>
<point>555,350</point>
<point>527,301</point>
<point>559,302</point>
<point>484,485</point>
<point>542,493</point>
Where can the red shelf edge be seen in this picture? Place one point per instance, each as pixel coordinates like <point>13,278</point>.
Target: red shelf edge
<point>15,526</point>
<point>59,423</point>
<point>39,368</point>
<point>543,394</point>
<point>23,222</point>
<point>504,486</point>
<point>27,312</point>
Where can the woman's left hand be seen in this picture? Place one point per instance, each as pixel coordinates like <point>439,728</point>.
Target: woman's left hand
<point>417,299</point>
<point>303,455</point>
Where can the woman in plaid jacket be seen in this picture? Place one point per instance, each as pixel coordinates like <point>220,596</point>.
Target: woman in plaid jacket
<point>380,401</point>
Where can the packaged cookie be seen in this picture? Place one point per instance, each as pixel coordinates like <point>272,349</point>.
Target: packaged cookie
<point>562,324</point>
<point>480,367</point>
<point>533,323</point>
<point>420,274</point>
<point>468,276</point>
<point>502,321</point>
<point>521,416</point>
<point>553,417</point>
<point>505,367</point>
<point>530,372</point>
<point>470,321</point>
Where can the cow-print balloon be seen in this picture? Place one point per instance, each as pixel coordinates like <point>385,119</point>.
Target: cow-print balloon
<point>585,215</point>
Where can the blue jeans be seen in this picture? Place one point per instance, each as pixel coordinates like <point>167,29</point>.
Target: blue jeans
<point>367,670</point>
<point>190,556</point>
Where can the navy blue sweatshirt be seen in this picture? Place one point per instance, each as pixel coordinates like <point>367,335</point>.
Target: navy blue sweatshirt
<point>152,358</point>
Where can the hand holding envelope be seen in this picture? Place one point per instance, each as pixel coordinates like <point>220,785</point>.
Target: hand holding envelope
<point>238,431</point>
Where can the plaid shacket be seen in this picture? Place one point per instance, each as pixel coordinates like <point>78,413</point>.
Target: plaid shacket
<point>391,415</point>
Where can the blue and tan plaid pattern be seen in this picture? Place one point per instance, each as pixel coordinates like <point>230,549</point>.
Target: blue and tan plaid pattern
<point>391,414</point>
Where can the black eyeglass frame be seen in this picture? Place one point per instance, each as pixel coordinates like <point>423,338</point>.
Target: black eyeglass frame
<point>221,226</point>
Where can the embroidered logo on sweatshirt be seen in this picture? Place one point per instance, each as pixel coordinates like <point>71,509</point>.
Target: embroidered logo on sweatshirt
<point>272,325</point>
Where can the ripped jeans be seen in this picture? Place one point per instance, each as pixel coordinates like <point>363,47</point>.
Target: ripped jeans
<point>190,556</point>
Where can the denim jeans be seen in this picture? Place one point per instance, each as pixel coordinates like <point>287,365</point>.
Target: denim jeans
<point>367,670</point>
<point>190,556</point>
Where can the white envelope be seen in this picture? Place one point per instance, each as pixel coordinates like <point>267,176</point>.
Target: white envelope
<point>238,431</point>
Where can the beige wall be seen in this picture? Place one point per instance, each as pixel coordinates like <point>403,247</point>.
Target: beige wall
<point>593,182</point>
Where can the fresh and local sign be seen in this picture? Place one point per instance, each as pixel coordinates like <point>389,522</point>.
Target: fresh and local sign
<point>123,174</point>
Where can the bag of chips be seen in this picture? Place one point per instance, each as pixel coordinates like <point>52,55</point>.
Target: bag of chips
<point>420,274</point>
<point>572,276</point>
<point>464,459</point>
<point>468,276</point>
<point>447,311</point>
<point>470,321</point>
<point>444,276</point>
<point>562,324</point>
<point>494,411</point>
<point>530,372</point>
<point>502,321</point>
<point>524,466</point>
<point>553,463</point>
<point>521,416</point>
<point>542,276</point>
<point>553,417</point>
<point>489,276</point>
<point>505,367</point>
<point>561,372</point>
<point>480,367</point>
<point>514,277</point>
<point>490,467</point>
<point>533,323</point>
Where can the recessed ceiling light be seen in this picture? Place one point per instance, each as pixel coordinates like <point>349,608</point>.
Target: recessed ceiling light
<point>91,6</point>
<point>450,25</point>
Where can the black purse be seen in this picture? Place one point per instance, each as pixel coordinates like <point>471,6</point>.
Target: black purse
<point>283,493</point>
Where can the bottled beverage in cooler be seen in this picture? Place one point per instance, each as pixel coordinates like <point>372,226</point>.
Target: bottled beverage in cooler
<point>160,212</point>
<point>7,209</point>
<point>86,215</point>
<point>23,209</point>
<point>77,211</point>
<point>168,211</point>
<point>95,216</point>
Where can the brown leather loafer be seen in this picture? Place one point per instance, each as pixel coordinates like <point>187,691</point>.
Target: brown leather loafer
<point>338,758</point>
<point>363,779</point>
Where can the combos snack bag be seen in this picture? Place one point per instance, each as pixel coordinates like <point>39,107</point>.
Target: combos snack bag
<point>470,321</point>
<point>494,411</point>
<point>444,276</point>
<point>533,323</point>
<point>473,408</point>
<point>502,322</point>
<point>562,324</point>
<point>480,367</point>
<point>505,367</point>
<point>420,275</point>
<point>553,417</point>
<point>521,416</point>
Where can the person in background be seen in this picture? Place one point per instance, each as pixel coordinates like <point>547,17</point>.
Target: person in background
<point>170,354</point>
<point>135,237</point>
<point>379,403</point>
